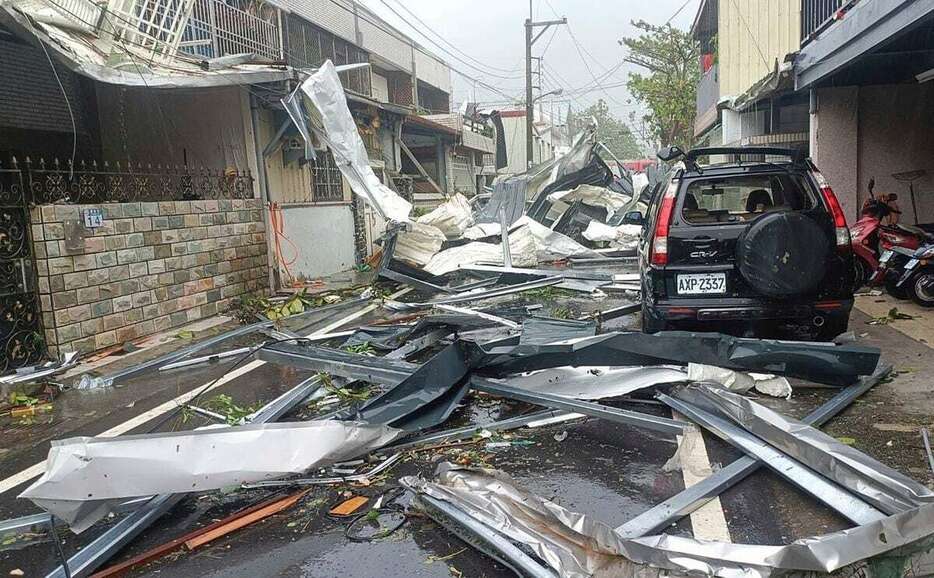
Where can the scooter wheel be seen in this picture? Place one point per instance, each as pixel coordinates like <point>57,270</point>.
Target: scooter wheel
<point>895,291</point>
<point>922,287</point>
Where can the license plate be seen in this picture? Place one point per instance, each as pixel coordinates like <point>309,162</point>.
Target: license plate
<point>702,284</point>
<point>911,264</point>
<point>885,257</point>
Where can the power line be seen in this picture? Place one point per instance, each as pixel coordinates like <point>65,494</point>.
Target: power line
<point>443,49</point>
<point>455,48</point>
<point>675,15</point>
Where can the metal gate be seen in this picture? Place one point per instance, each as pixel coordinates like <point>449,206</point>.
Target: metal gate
<point>21,335</point>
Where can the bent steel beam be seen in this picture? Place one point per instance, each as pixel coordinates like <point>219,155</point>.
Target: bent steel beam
<point>800,475</point>
<point>691,499</point>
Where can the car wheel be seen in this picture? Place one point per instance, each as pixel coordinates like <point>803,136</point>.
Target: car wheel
<point>894,290</point>
<point>922,287</point>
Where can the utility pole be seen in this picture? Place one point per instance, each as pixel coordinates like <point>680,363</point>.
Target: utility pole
<point>529,101</point>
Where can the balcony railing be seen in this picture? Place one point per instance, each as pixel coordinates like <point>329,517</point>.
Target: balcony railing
<point>218,29</point>
<point>816,15</point>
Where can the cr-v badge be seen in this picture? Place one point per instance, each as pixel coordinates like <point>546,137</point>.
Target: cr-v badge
<point>703,254</point>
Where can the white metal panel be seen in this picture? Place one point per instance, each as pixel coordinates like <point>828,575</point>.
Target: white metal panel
<point>323,236</point>
<point>333,15</point>
<point>378,40</point>
<point>432,70</point>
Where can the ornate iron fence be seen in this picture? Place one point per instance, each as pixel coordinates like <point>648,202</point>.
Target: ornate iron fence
<point>21,337</point>
<point>57,182</point>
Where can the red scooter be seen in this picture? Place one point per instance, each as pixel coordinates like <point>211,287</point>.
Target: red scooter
<point>870,237</point>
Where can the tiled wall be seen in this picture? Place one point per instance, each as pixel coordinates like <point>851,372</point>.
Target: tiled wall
<point>147,268</point>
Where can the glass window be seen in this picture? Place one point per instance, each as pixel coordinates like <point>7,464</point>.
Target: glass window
<point>744,198</point>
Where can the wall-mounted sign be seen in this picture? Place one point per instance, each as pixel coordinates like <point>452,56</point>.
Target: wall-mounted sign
<point>93,218</point>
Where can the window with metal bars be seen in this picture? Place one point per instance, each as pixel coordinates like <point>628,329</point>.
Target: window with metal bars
<point>309,46</point>
<point>326,181</point>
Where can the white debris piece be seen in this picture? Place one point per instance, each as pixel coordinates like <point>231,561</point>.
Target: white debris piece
<point>639,182</point>
<point>327,105</point>
<point>521,246</point>
<point>85,475</point>
<point>595,382</point>
<point>481,230</point>
<point>418,245</point>
<point>551,245</point>
<point>452,217</point>
<point>593,196</point>
<point>622,237</point>
<point>740,382</point>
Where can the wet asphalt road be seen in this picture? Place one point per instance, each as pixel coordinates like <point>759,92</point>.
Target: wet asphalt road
<point>603,469</point>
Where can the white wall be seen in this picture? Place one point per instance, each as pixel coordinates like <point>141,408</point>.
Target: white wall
<point>379,87</point>
<point>323,235</point>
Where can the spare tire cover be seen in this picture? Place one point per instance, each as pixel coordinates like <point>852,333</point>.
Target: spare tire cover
<point>783,254</point>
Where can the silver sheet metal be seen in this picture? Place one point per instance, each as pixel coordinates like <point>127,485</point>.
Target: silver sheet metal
<point>576,545</point>
<point>84,475</point>
<point>877,483</point>
<point>476,295</point>
<point>643,420</point>
<point>69,360</point>
<point>485,539</point>
<point>835,497</point>
<point>594,382</point>
<point>566,273</point>
<point>662,515</point>
<point>102,548</point>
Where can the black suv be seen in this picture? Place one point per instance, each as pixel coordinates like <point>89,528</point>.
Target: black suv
<point>745,241</point>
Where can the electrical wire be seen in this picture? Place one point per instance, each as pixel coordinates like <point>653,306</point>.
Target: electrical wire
<point>71,113</point>
<point>430,29</point>
<point>755,41</point>
<point>446,51</point>
<point>678,11</point>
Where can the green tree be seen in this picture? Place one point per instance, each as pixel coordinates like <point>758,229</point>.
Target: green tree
<point>669,87</point>
<point>614,133</point>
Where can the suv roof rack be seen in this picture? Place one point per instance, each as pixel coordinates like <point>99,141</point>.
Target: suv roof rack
<point>797,156</point>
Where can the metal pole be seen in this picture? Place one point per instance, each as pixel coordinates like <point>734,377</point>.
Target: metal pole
<point>529,105</point>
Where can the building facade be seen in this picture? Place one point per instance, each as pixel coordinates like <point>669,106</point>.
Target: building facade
<point>158,178</point>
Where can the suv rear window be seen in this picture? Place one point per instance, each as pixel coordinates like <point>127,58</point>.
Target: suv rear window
<point>744,197</point>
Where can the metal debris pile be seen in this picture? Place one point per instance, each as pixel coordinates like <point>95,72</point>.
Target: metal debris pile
<point>465,322</point>
<point>421,366</point>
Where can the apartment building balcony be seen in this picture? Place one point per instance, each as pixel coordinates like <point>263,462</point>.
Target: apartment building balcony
<point>708,94</point>
<point>216,28</point>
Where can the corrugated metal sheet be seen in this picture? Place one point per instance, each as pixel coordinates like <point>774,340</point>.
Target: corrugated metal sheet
<point>752,35</point>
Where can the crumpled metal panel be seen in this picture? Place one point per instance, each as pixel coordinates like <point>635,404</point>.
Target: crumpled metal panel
<point>84,475</point>
<point>327,105</point>
<point>887,489</point>
<point>578,546</point>
<point>542,330</point>
<point>820,362</point>
<point>595,382</point>
<point>426,397</point>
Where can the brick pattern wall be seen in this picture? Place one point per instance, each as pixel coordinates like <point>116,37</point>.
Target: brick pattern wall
<point>150,267</point>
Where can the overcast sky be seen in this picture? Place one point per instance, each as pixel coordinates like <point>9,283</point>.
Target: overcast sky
<point>491,32</point>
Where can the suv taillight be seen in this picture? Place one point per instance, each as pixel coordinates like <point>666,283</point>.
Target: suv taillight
<point>839,219</point>
<point>659,254</point>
